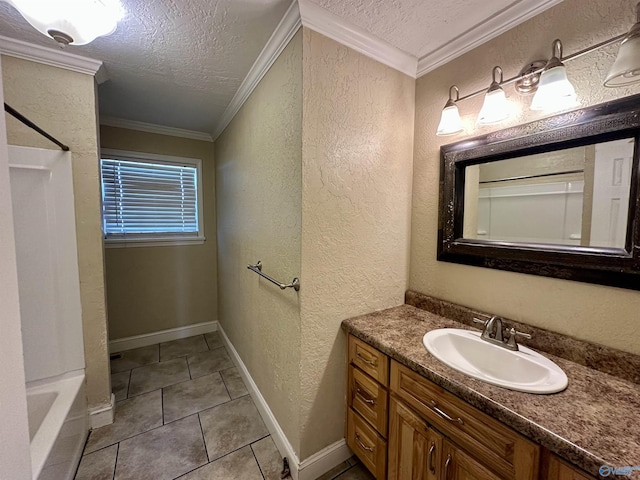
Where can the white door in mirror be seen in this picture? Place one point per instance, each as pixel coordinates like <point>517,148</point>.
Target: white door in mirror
<point>523,371</point>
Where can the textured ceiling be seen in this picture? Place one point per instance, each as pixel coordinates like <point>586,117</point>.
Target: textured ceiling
<point>172,62</point>
<point>179,62</point>
<point>416,26</point>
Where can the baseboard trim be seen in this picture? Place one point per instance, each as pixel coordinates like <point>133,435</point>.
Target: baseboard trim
<point>137,341</point>
<point>313,466</point>
<point>103,414</point>
<point>321,462</point>
<point>279,438</point>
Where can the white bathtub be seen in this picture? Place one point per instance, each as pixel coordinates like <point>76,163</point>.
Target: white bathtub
<point>58,425</point>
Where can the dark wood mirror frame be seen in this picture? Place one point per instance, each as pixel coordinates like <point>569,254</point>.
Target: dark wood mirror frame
<point>619,267</point>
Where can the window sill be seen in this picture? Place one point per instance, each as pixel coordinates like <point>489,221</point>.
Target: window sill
<point>152,242</point>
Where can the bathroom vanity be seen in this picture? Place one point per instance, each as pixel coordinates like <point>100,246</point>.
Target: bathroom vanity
<point>409,416</point>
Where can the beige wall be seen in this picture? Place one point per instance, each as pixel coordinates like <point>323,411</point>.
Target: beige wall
<point>157,288</point>
<point>314,179</point>
<point>357,153</point>
<point>258,193</point>
<point>601,314</point>
<point>63,103</point>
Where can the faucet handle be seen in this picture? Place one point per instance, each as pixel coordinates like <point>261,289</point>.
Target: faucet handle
<point>521,334</point>
<point>477,320</point>
<point>513,333</point>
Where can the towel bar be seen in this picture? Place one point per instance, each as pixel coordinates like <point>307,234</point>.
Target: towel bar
<point>257,268</point>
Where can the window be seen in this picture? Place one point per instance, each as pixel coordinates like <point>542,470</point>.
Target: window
<point>150,199</point>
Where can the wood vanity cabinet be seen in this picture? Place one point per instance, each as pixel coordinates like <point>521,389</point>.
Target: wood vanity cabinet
<point>405,427</point>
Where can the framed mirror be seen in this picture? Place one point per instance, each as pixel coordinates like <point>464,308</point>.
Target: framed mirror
<point>557,197</point>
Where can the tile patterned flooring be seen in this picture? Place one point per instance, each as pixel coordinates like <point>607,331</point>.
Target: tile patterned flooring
<point>183,411</point>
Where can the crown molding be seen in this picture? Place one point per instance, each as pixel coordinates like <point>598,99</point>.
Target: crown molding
<point>281,36</point>
<point>49,56</point>
<point>483,32</point>
<point>338,29</point>
<point>153,128</point>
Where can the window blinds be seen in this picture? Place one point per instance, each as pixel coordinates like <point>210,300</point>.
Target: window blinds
<point>146,199</point>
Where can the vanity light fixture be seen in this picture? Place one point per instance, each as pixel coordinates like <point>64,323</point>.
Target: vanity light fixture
<point>555,91</point>
<point>450,121</point>
<point>548,79</point>
<point>626,68</point>
<point>495,107</point>
<point>71,22</point>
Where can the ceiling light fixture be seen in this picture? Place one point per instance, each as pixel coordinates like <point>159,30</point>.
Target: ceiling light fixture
<point>450,121</point>
<point>555,91</point>
<point>71,22</point>
<point>551,75</point>
<point>495,107</point>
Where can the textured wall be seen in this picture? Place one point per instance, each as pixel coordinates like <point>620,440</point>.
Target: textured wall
<point>258,193</point>
<point>602,314</point>
<point>356,197</point>
<point>63,103</point>
<point>157,288</point>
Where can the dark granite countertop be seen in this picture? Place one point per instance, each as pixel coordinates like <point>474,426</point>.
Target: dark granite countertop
<point>594,422</point>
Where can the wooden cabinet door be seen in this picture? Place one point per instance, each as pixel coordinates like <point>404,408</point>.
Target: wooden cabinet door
<point>560,470</point>
<point>458,465</point>
<point>415,450</point>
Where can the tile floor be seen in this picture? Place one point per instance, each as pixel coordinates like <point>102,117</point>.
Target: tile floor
<point>183,411</point>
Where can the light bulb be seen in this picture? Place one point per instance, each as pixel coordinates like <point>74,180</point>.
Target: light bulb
<point>555,91</point>
<point>450,121</point>
<point>626,68</point>
<point>495,107</point>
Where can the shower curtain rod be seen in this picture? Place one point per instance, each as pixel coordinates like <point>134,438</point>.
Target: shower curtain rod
<point>11,111</point>
<point>526,177</point>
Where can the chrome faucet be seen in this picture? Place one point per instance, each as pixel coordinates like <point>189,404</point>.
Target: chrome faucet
<point>493,332</point>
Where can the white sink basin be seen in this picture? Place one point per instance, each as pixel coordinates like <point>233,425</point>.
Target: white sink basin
<point>524,371</point>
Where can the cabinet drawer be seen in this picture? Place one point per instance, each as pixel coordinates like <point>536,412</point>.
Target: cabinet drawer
<point>365,442</point>
<point>369,399</point>
<point>369,360</point>
<point>503,450</point>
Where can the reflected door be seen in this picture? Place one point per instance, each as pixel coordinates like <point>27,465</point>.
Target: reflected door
<point>612,174</point>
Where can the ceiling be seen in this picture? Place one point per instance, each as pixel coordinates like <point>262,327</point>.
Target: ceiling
<point>417,27</point>
<point>179,63</point>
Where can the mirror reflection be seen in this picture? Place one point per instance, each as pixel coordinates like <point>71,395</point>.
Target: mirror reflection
<point>575,196</point>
